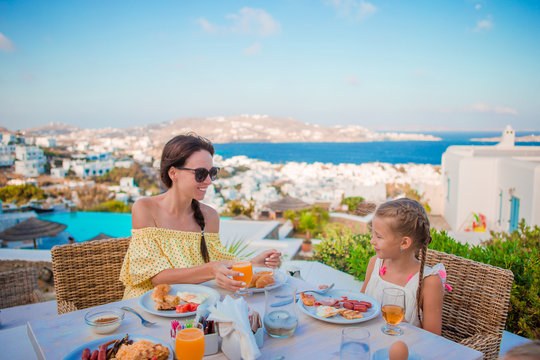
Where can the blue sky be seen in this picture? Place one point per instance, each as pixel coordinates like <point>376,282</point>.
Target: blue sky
<point>439,64</point>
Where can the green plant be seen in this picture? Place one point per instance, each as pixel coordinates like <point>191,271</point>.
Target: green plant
<point>340,249</point>
<point>21,194</point>
<point>114,206</point>
<point>238,247</point>
<point>236,208</point>
<point>352,202</point>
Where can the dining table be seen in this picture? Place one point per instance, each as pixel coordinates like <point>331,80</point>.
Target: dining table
<point>55,337</point>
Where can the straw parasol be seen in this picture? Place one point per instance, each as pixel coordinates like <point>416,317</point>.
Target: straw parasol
<point>288,203</point>
<point>101,236</point>
<point>32,228</point>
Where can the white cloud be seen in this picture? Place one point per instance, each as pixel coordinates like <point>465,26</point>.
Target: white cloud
<point>352,80</point>
<point>478,6</point>
<point>6,44</point>
<point>247,21</point>
<point>207,26</point>
<point>420,73</point>
<point>28,76</point>
<point>255,48</point>
<point>254,21</point>
<point>483,107</point>
<point>353,9</point>
<point>484,25</point>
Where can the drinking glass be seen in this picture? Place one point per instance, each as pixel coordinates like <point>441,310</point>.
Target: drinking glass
<point>247,270</point>
<point>280,316</point>
<point>393,310</point>
<point>189,344</point>
<point>354,344</point>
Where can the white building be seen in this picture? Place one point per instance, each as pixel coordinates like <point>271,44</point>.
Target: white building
<point>89,165</point>
<point>502,182</point>
<point>7,155</point>
<point>58,172</point>
<point>45,141</point>
<point>29,161</point>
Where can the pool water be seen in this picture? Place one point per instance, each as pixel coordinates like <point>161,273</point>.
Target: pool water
<point>84,225</point>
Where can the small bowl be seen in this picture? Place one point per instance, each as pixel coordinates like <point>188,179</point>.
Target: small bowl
<point>104,321</point>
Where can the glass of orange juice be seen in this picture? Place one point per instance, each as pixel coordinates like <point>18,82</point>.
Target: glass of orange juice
<point>393,310</point>
<point>190,344</point>
<point>246,269</point>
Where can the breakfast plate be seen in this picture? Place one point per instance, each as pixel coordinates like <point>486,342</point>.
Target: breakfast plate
<point>279,278</point>
<point>148,305</point>
<point>76,354</point>
<point>338,294</point>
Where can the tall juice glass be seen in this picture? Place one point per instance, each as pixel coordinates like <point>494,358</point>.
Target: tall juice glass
<point>247,270</point>
<point>190,344</point>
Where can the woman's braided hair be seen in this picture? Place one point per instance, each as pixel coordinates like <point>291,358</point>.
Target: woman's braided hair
<point>410,219</point>
<point>175,153</point>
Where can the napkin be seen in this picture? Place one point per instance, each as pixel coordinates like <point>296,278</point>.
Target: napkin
<point>233,316</point>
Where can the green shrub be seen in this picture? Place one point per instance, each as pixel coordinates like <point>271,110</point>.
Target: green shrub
<point>21,194</point>
<point>114,206</point>
<point>352,202</point>
<point>344,250</point>
<point>518,251</point>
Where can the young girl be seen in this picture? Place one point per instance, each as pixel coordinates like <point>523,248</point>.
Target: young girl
<point>401,233</point>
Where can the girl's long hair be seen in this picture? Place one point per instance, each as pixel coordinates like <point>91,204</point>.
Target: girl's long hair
<point>410,219</point>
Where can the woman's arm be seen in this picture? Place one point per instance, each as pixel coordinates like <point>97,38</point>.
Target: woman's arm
<point>219,270</point>
<point>369,270</point>
<point>432,296</point>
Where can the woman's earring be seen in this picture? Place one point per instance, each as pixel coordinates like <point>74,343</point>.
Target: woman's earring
<point>400,249</point>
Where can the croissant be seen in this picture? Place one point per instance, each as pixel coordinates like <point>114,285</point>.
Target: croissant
<point>264,281</point>
<point>256,277</point>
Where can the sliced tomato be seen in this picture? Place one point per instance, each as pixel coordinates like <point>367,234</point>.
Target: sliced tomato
<point>193,306</point>
<point>182,308</point>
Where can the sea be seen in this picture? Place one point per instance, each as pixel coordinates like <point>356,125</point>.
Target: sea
<point>393,152</point>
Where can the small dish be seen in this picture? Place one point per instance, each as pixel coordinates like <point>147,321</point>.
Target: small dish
<point>104,321</point>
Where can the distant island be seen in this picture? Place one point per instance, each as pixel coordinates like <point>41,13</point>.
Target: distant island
<point>242,128</point>
<point>527,138</point>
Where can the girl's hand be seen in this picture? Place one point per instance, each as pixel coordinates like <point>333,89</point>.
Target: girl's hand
<point>269,258</point>
<point>223,273</point>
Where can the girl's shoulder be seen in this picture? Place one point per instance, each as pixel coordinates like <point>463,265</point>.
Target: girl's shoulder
<point>436,276</point>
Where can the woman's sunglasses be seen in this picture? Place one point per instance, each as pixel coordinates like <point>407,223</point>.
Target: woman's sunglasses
<point>202,173</point>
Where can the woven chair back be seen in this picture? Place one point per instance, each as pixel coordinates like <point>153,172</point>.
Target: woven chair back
<point>86,274</point>
<point>478,303</point>
<point>18,287</point>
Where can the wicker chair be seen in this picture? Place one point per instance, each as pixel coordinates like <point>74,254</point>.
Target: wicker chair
<point>19,287</point>
<point>474,312</point>
<point>86,274</point>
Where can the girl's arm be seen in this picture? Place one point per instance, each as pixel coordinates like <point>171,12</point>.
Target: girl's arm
<point>432,295</point>
<point>369,270</point>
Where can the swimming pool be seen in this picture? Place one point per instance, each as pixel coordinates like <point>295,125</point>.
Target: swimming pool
<point>84,225</point>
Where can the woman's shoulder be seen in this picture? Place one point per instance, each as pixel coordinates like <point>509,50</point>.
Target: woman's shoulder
<point>211,218</point>
<point>142,212</point>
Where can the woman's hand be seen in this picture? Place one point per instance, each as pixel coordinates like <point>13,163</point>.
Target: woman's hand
<point>223,273</point>
<point>269,258</point>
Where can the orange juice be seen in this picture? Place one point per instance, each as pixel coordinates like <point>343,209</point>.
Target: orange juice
<point>190,344</point>
<point>393,314</point>
<point>245,268</point>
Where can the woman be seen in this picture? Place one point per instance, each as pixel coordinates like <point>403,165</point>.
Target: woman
<point>175,238</point>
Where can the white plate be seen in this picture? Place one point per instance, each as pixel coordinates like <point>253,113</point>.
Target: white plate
<point>279,278</point>
<point>337,294</point>
<point>148,305</point>
<point>382,354</point>
<point>76,354</point>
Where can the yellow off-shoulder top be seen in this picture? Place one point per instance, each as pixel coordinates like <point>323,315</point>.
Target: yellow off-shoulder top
<point>153,250</point>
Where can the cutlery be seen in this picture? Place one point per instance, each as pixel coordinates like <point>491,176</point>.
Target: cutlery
<point>320,291</point>
<point>143,321</point>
